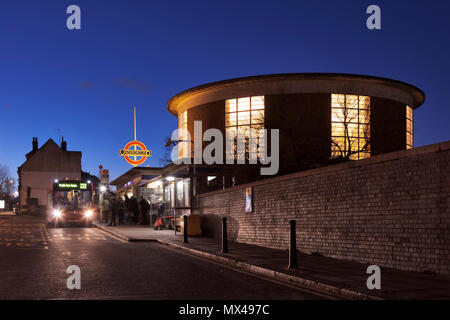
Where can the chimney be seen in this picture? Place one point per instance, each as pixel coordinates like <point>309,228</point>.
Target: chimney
<point>35,143</point>
<point>63,144</point>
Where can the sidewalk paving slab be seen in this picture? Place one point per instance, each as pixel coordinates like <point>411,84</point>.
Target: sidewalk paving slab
<point>339,278</point>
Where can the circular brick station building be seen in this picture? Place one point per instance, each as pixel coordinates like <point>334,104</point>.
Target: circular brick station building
<point>320,116</point>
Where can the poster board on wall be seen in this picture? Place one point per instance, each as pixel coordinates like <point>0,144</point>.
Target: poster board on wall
<point>249,199</point>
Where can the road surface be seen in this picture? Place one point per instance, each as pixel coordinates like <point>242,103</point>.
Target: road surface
<point>34,261</point>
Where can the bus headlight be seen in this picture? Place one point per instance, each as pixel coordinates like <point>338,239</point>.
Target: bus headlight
<point>88,213</point>
<point>57,213</point>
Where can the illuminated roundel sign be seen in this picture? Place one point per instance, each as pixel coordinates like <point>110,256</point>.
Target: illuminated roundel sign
<point>131,151</point>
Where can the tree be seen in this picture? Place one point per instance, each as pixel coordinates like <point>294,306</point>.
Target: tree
<point>166,158</point>
<point>351,126</point>
<point>7,183</point>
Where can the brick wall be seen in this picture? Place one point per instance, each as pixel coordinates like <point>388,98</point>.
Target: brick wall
<point>391,210</point>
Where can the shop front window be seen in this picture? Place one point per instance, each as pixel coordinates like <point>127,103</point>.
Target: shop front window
<point>180,198</point>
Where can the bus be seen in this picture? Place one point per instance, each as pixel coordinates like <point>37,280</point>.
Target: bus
<point>71,203</point>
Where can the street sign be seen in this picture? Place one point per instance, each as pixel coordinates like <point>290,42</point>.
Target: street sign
<point>139,155</point>
<point>104,176</point>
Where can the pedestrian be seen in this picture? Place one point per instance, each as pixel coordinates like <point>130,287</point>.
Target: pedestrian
<point>144,210</point>
<point>106,208</point>
<point>134,208</point>
<point>113,211</point>
<point>127,207</point>
<point>158,223</point>
<point>120,209</point>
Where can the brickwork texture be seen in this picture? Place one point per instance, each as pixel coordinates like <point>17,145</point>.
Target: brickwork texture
<point>391,210</point>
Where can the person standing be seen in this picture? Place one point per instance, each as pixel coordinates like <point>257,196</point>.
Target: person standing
<point>144,210</point>
<point>134,208</point>
<point>120,209</point>
<point>158,222</point>
<point>127,208</point>
<point>113,211</point>
<point>106,209</point>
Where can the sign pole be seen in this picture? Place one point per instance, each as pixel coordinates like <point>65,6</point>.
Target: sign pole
<point>135,148</point>
<point>131,151</point>
<point>134,123</point>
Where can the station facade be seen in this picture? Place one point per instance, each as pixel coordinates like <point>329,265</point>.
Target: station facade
<point>322,119</point>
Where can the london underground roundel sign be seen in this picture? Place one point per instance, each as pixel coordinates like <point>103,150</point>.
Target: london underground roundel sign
<point>133,155</point>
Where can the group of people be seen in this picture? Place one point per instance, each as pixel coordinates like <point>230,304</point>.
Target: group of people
<point>128,209</point>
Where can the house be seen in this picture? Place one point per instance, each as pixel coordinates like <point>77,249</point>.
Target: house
<point>43,166</point>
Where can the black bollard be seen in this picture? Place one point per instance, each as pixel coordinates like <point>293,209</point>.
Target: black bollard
<point>185,229</point>
<point>224,236</point>
<point>293,247</point>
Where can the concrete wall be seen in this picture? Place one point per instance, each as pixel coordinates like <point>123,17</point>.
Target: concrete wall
<point>391,210</point>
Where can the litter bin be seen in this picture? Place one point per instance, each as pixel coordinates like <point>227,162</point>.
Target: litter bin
<point>193,225</point>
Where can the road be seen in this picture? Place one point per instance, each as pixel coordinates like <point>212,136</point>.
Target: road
<point>34,260</point>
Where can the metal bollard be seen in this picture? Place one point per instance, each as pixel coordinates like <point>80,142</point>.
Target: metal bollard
<point>224,235</point>
<point>185,229</point>
<point>293,247</point>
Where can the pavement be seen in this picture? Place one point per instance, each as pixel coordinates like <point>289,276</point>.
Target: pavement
<point>7,213</point>
<point>35,261</point>
<point>332,277</point>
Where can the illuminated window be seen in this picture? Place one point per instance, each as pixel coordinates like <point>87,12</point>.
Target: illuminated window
<point>243,114</point>
<point>183,136</point>
<point>350,126</point>
<point>409,128</point>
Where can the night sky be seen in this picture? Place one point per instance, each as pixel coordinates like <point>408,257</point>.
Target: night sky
<point>83,84</point>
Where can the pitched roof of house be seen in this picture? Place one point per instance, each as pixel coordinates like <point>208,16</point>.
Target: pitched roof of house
<point>50,143</point>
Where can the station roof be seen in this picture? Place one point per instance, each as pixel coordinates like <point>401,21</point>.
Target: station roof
<point>145,173</point>
<point>297,83</point>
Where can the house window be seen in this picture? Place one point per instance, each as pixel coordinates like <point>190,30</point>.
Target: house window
<point>243,114</point>
<point>183,138</point>
<point>409,128</point>
<point>350,126</point>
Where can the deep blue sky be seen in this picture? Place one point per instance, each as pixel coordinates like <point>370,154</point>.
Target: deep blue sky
<point>143,52</point>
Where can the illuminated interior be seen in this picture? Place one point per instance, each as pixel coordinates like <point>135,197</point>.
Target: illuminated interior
<point>243,114</point>
<point>409,128</point>
<point>183,145</point>
<point>350,126</point>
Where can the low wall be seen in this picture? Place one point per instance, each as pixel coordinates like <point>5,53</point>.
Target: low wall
<point>391,210</point>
